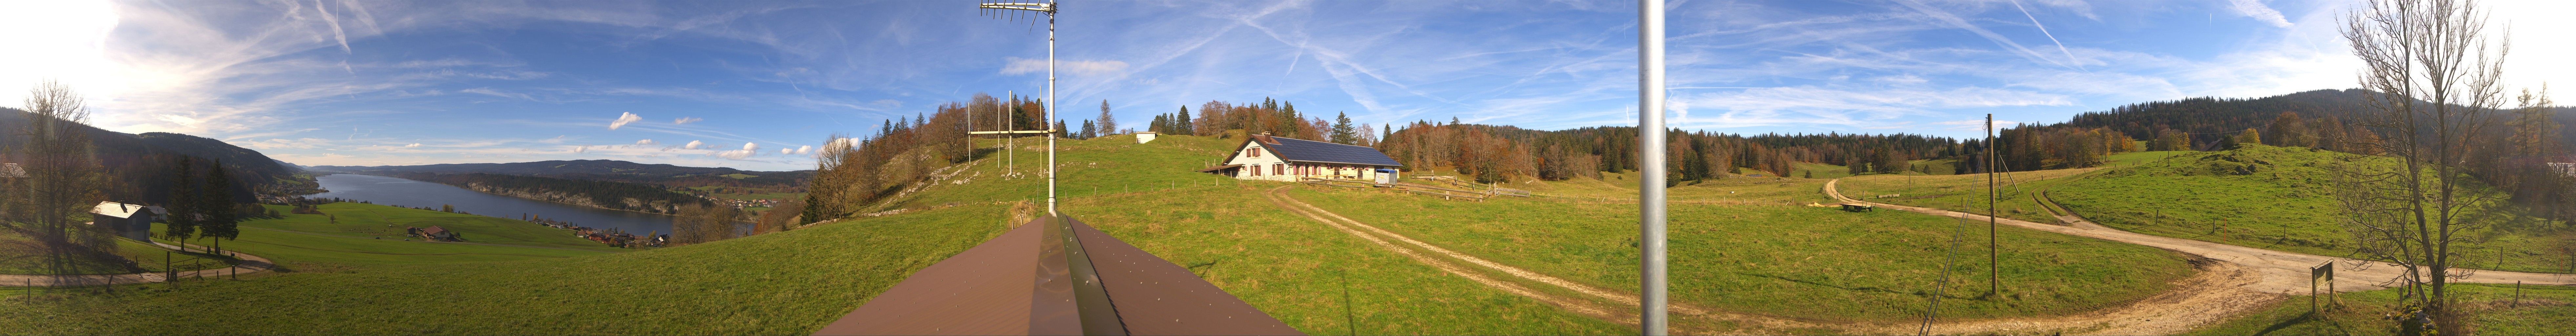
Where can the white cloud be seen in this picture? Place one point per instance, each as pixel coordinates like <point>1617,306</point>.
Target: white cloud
<point>624,118</point>
<point>748,149</point>
<point>804,149</point>
<point>784,151</point>
<point>2255,9</point>
<point>685,120</point>
<point>694,144</point>
<point>578,149</point>
<point>1018,66</point>
<point>412,145</point>
<point>646,142</point>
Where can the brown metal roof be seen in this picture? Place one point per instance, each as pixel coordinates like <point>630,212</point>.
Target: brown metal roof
<point>1156,297</point>
<point>1024,283</point>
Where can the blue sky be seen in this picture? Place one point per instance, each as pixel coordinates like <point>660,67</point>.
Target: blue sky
<point>752,84</point>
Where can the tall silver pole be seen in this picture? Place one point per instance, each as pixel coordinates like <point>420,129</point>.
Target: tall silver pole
<point>1050,108</point>
<point>1650,166</point>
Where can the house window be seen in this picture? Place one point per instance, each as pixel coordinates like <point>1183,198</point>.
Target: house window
<point>1252,152</point>
<point>1282,169</point>
<point>1256,170</point>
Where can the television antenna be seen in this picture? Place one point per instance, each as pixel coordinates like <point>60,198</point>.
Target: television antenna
<point>1015,11</point>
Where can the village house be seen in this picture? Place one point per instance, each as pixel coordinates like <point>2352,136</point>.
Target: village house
<point>1265,157</point>
<point>127,220</point>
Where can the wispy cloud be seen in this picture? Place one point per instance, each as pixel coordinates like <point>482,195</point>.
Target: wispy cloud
<point>624,118</point>
<point>2255,9</point>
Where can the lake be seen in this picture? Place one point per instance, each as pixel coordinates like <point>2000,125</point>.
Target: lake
<point>409,193</point>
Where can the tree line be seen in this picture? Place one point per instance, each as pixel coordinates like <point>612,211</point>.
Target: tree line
<point>1492,153</point>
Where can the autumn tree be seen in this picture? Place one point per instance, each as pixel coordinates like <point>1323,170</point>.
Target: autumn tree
<point>2288,131</point>
<point>62,180</point>
<point>2432,80</point>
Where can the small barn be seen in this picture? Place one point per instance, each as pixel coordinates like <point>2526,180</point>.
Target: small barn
<point>1265,157</point>
<point>127,220</point>
<point>1144,137</point>
<point>435,233</point>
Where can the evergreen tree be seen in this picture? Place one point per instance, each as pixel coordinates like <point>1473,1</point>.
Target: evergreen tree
<point>1342,132</point>
<point>1061,131</point>
<point>182,223</point>
<point>1183,124</point>
<point>1108,126</point>
<point>221,219</point>
<point>1089,130</point>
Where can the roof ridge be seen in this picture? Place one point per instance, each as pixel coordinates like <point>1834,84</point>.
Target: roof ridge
<point>1323,142</point>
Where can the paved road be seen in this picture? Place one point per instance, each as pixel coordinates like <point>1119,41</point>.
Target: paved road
<point>250,264</point>
<point>2279,272</point>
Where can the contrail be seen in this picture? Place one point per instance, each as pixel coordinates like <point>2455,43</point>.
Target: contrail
<point>2043,31</point>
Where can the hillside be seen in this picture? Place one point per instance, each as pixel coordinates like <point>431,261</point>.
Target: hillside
<point>2280,198</point>
<point>553,167</point>
<point>139,159</point>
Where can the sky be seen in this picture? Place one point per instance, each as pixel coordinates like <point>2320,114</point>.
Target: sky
<point>759,85</point>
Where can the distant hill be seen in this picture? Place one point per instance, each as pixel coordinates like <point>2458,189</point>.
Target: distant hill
<point>603,170</point>
<point>137,159</point>
<point>553,167</point>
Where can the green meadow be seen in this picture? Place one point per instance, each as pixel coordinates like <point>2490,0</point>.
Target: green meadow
<point>1750,245</point>
<point>2281,198</point>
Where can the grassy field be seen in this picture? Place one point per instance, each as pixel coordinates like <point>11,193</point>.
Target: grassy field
<point>1748,245</point>
<point>2543,310</point>
<point>381,221</point>
<point>1818,170</point>
<point>787,283</point>
<point>2276,198</point>
<point>1963,192</point>
<point>360,238</point>
<point>20,254</point>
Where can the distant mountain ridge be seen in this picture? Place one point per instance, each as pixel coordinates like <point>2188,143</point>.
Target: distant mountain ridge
<point>134,158</point>
<point>551,168</point>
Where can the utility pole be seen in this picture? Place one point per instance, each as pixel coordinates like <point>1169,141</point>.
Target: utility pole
<point>1650,183</point>
<point>1994,271</point>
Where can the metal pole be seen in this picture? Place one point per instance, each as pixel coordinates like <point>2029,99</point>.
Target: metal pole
<point>1994,271</point>
<point>1050,108</point>
<point>1650,166</point>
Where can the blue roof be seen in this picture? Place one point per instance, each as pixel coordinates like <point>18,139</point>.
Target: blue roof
<point>1324,152</point>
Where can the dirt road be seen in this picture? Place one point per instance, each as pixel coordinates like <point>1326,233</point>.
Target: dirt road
<point>2277,272</point>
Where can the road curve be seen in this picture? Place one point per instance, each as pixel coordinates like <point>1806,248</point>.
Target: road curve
<point>2278,271</point>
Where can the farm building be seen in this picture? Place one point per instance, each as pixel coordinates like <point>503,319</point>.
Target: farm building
<point>1265,157</point>
<point>435,233</point>
<point>1144,137</point>
<point>127,220</point>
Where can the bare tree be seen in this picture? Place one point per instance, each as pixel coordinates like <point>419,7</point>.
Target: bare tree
<point>62,177</point>
<point>2432,83</point>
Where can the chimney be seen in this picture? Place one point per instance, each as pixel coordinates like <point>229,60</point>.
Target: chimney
<point>1265,133</point>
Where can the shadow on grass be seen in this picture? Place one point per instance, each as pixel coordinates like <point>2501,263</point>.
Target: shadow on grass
<point>2303,319</point>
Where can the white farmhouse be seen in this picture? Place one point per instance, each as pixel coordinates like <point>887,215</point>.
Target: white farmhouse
<point>1265,157</point>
